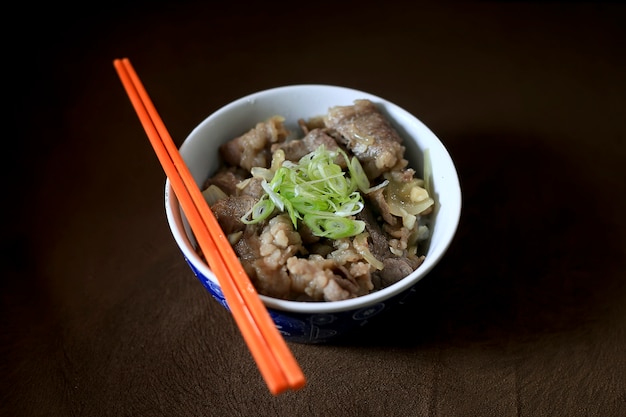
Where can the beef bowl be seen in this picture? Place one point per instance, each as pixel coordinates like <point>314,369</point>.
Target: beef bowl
<point>337,202</point>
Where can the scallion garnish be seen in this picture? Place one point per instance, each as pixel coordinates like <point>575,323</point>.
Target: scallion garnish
<point>317,191</point>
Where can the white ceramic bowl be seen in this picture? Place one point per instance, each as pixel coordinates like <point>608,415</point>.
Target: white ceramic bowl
<point>312,322</point>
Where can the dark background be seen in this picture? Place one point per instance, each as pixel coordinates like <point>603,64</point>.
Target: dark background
<point>526,315</point>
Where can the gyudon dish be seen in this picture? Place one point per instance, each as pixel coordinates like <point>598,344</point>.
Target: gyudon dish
<point>330,213</point>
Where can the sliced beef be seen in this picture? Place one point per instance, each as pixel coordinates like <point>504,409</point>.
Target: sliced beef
<point>323,279</point>
<point>376,199</point>
<point>365,131</point>
<point>379,243</point>
<point>278,243</point>
<point>252,149</point>
<point>253,188</point>
<point>228,212</point>
<point>297,148</point>
<point>247,248</point>
<point>395,266</point>
<point>227,180</point>
<point>395,269</point>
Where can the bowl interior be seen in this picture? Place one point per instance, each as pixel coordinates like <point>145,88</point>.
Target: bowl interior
<point>199,150</point>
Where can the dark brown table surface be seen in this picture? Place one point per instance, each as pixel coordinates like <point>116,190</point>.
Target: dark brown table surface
<point>526,315</point>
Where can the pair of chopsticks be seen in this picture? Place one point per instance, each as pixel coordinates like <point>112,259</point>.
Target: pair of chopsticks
<point>274,359</point>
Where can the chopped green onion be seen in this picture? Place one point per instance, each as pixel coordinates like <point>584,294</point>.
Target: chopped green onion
<point>260,211</point>
<point>333,227</point>
<point>273,195</point>
<point>358,174</point>
<point>360,177</point>
<point>315,190</point>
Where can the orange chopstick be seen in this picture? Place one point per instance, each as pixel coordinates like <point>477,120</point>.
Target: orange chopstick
<point>272,355</point>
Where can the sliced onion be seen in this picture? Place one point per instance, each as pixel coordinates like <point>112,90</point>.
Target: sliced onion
<point>360,244</point>
<point>213,194</point>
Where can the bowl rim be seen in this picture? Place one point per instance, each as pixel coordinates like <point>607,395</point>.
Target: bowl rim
<point>175,222</point>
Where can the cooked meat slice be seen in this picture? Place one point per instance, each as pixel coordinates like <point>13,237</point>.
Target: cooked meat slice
<point>395,269</point>
<point>390,245</point>
<point>379,242</point>
<point>277,243</point>
<point>324,280</point>
<point>296,149</point>
<point>252,187</point>
<point>316,122</point>
<point>315,278</point>
<point>228,212</point>
<point>376,199</point>
<point>252,149</point>
<point>247,248</point>
<point>226,179</point>
<point>364,130</point>
<point>271,280</point>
